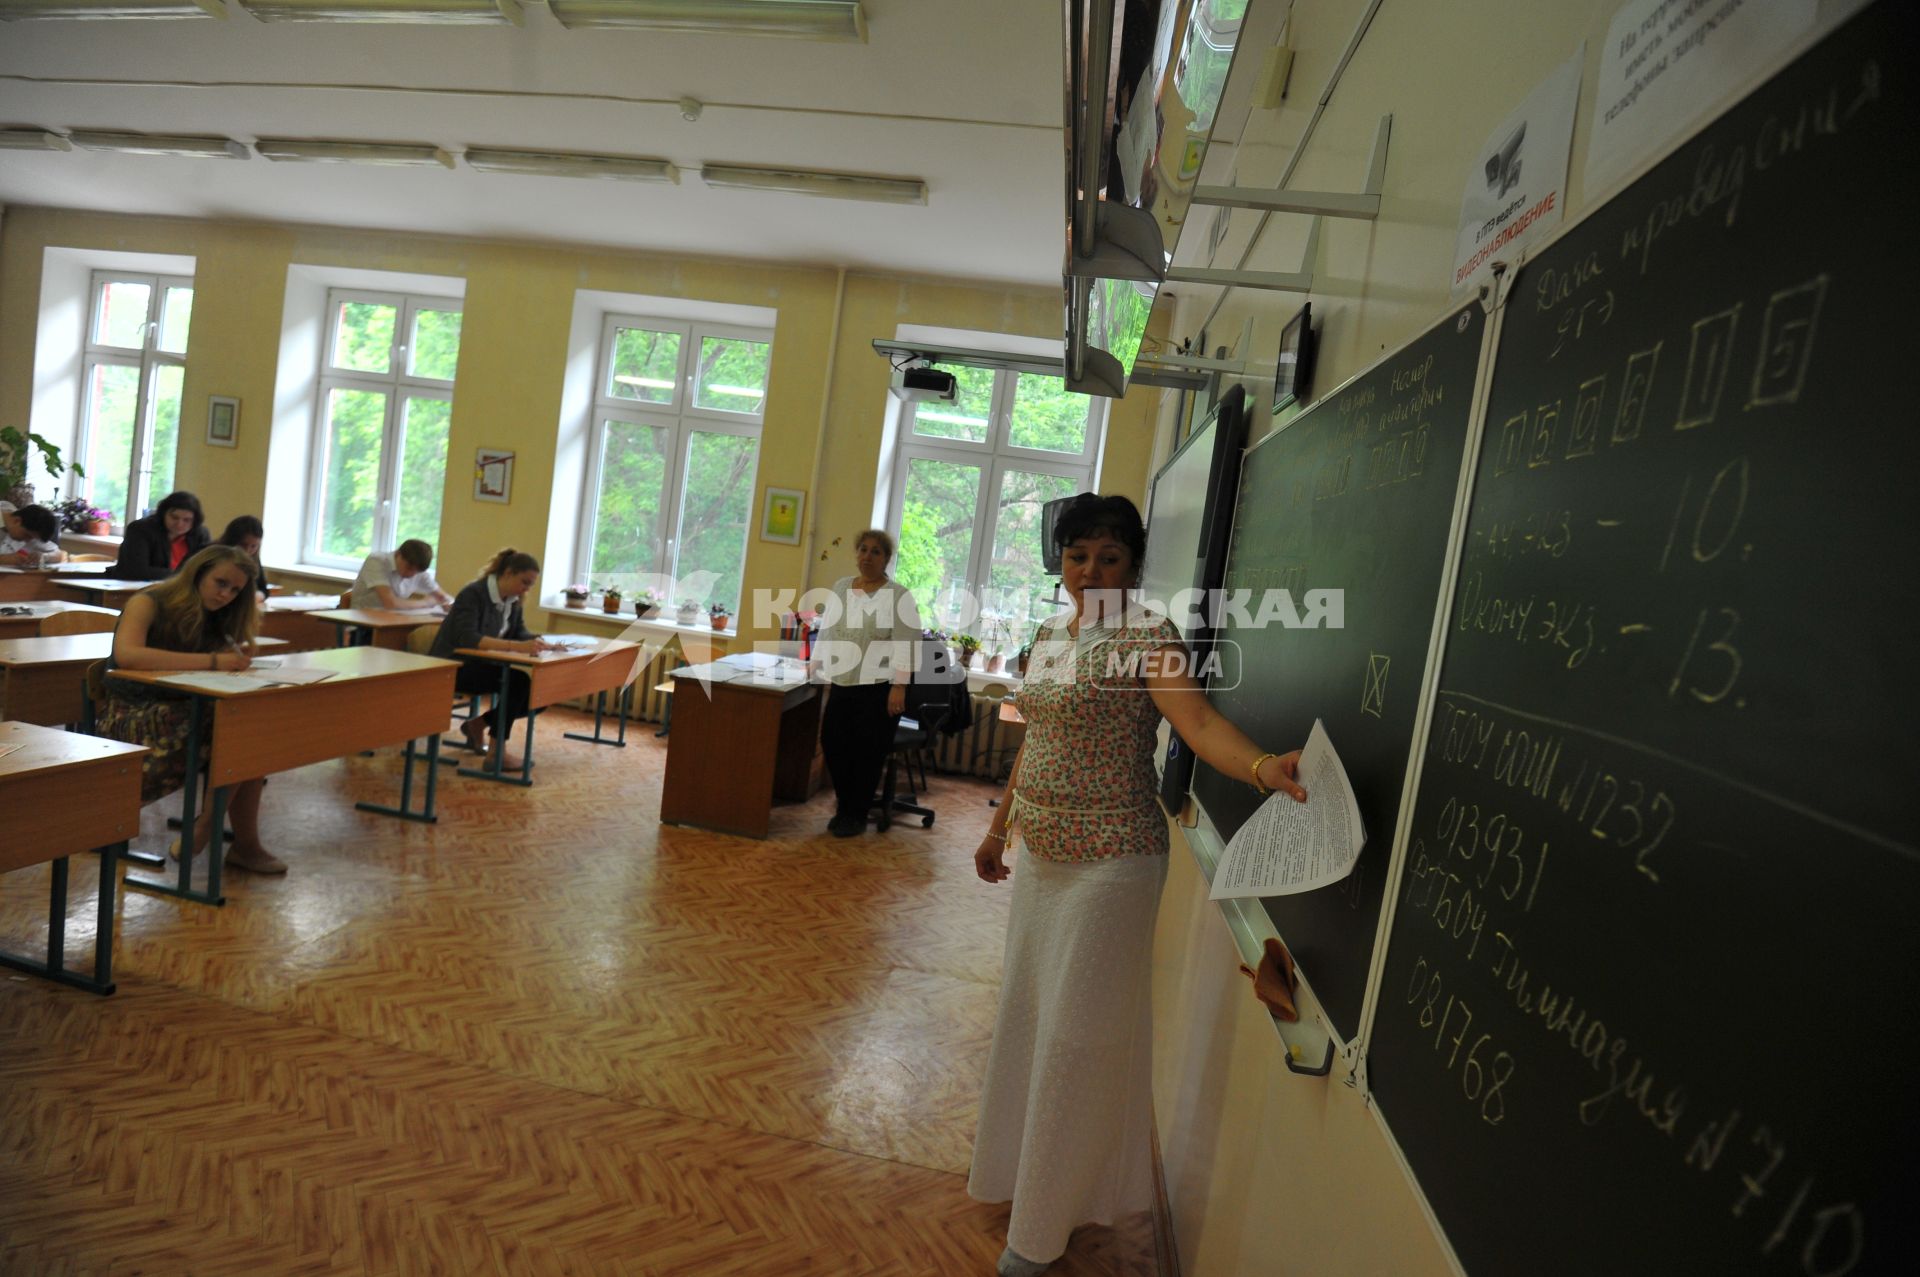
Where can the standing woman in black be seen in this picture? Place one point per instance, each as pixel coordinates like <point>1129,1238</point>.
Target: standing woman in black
<point>487,614</point>
<point>866,651</point>
<point>153,548</point>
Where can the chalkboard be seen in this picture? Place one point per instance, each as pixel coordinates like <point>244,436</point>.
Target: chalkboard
<point>1647,999</point>
<point>1188,520</point>
<point>1356,494</point>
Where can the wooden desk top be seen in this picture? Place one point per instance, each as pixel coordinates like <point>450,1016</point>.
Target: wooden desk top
<point>63,569</point>
<point>606,647</point>
<point>44,749</point>
<point>373,618</point>
<point>73,647</point>
<point>302,602</point>
<point>350,665</point>
<point>41,608</point>
<point>106,584</point>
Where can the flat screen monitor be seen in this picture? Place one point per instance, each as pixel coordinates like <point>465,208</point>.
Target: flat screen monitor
<point>1294,380</point>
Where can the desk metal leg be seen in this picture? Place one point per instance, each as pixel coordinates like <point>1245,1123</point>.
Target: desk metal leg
<point>54,967</point>
<point>620,703</point>
<point>405,810</point>
<point>189,809</point>
<point>495,770</point>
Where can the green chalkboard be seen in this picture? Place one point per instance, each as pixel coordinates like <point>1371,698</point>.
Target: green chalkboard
<point>1355,495</point>
<point>1647,1004</point>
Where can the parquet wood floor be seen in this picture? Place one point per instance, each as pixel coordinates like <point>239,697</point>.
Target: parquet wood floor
<point>547,1035</point>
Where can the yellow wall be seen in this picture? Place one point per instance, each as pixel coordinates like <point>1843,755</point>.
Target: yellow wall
<point>518,312</point>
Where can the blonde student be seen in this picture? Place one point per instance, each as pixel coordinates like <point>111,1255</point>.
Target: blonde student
<point>204,617</point>
<point>398,580</point>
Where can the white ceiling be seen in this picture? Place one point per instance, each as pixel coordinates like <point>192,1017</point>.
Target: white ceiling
<point>965,94</point>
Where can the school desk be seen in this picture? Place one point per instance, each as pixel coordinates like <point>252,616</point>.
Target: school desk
<point>32,623</point>
<point>375,698</point>
<point>736,747</point>
<point>293,617</point>
<point>608,666</point>
<point>101,591</point>
<point>386,627</point>
<point>18,585</point>
<point>64,794</point>
<point>41,679</point>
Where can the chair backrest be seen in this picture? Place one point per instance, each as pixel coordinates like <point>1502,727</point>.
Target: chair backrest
<point>77,622</point>
<point>346,598</point>
<point>95,683</point>
<point>90,558</point>
<point>420,641</point>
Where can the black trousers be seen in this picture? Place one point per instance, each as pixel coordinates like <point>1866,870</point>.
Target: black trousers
<point>856,734</point>
<point>484,676</point>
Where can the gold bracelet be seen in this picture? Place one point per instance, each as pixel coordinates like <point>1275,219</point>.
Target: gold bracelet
<point>996,837</point>
<point>1258,788</point>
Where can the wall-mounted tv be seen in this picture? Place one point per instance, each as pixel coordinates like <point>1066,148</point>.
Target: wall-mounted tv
<point>1294,380</point>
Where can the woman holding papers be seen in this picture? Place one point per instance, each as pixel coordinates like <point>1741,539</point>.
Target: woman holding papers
<point>201,618</point>
<point>1065,1118</point>
<point>486,614</point>
<point>866,651</point>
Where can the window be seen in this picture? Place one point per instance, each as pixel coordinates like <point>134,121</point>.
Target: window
<point>675,446</point>
<point>968,486</point>
<point>134,362</point>
<point>380,439</point>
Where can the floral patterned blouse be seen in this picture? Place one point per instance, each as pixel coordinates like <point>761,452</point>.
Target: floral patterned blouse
<point>1088,790</point>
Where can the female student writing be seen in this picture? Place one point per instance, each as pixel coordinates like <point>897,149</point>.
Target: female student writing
<point>487,614</point>
<point>202,618</point>
<point>155,547</point>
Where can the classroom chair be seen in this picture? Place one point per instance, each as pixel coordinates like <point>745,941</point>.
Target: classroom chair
<point>61,624</point>
<point>90,558</point>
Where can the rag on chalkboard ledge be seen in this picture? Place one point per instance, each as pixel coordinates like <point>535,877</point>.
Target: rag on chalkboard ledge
<point>1274,981</point>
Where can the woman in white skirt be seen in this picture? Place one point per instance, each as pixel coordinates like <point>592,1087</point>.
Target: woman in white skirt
<point>1065,1119</point>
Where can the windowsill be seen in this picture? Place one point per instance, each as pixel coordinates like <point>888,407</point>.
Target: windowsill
<point>318,573</point>
<point>88,543</point>
<point>659,625</point>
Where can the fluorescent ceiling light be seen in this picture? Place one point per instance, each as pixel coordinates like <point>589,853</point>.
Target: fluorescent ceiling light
<point>556,164</point>
<point>397,154</point>
<point>32,140</point>
<point>839,186</point>
<point>438,12</point>
<point>71,10</point>
<point>804,19</point>
<point>213,148</point>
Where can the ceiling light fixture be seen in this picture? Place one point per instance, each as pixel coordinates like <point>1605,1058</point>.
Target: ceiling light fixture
<point>89,10</point>
<point>624,168</point>
<point>392,154</point>
<point>212,148</point>
<point>801,19</point>
<point>838,186</point>
<point>32,140</point>
<point>437,12</point>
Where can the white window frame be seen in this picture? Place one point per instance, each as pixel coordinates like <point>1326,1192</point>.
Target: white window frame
<point>398,385</point>
<point>148,358</point>
<point>681,417</point>
<point>995,455</point>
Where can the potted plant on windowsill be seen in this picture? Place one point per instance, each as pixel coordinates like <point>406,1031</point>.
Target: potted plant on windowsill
<point>688,613</point>
<point>646,605</point>
<point>15,451</point>
<point>577,596</point>
<point>968,646</point>
<point>717,613</point>
<point>610,601</point>
<point>77,514</point>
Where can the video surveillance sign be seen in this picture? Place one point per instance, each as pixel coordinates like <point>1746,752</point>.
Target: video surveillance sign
<point>1516,191</point>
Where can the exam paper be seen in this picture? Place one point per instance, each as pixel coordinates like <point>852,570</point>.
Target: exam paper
<point>1288,847</point>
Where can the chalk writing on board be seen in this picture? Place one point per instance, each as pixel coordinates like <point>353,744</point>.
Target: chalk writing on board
<point>1707,358</point>
<point>1786,343</point>
<point>1373,694</point>
<point>1717,518</point>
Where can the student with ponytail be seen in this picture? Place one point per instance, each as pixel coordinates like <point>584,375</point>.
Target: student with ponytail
<point>487,614</point>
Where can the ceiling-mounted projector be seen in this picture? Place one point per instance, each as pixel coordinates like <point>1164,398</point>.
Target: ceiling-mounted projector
<point>914,384</point>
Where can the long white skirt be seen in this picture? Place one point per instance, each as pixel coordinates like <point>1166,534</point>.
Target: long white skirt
<point>1066,1117</point>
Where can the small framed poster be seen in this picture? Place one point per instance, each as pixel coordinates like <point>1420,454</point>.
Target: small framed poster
<point>492,475</point>
<point>223,421</point>
<point>780,520</point>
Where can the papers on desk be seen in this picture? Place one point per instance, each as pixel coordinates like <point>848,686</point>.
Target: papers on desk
<point>751,660</point>
<point>8,749</point>
<point>1287,847</point>
<point>572,642</point>
<point>712,673</point>
<point>252,679</point>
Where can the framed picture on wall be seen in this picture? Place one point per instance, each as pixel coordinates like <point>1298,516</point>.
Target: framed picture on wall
<point>223,421</point>
<point>780,519</point>
<point>492,475</point>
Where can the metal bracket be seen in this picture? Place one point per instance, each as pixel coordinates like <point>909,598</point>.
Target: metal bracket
<point>1365,205</point>
<point>1300,281</point>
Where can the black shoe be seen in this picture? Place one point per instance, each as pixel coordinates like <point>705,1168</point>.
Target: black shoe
<point>846,827</point>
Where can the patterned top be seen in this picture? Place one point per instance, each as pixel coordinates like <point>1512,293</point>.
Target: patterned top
<point>1087,788</point>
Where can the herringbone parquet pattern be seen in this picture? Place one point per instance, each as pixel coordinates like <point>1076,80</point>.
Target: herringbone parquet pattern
<point>547,1035</point>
